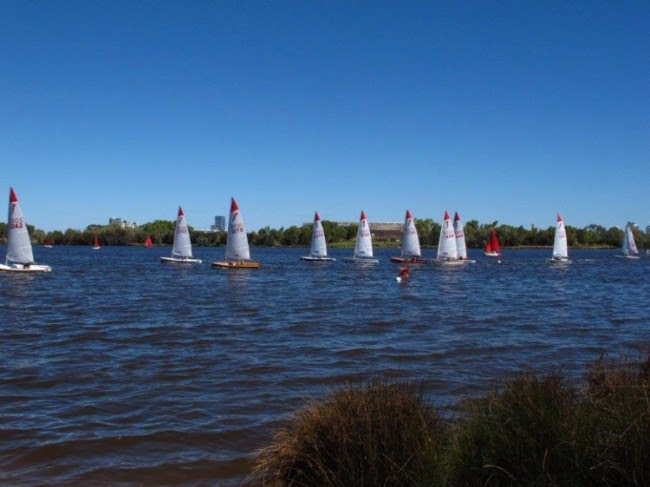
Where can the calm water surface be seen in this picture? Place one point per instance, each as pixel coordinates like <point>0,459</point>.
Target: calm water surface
<point>117,368</point>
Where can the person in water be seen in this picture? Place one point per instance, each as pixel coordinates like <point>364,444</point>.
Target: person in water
<point>403,272</point>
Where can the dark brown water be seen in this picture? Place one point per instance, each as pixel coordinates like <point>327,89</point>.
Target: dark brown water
<point>116,368</point>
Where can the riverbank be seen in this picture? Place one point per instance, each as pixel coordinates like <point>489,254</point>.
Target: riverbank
<point>530,431</point>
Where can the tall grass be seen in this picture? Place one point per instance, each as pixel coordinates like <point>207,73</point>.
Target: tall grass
<point>371,435</point>
<point>531,431</point>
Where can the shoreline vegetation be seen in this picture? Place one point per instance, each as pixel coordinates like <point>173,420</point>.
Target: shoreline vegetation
<point>338,236</point>
<point>530,430</point>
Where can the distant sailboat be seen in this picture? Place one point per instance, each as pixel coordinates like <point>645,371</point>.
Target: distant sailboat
<point>318,248</point>
<point>459,235</point>
<point>447,248</point>
<point>363,246</point>
<point>410,244</point>
<point>96,245</point>
<point>19,256</point>
<point>237,251</point>
<point>182,248</point>
<point>492,248</point>
<point>148,243</point>
<point>560,247</point>
<point>629,245</point>
<point>47,243</point>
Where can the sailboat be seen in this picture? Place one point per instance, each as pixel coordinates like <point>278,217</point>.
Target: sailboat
<point>237,252</point>
<point>492,248</point>
<point>363,245</point>
<point>629,245</point>
<point>410,244</point>
<point>96,245</point>
<point>148,243</point>
<point>447,248</point>
<point>47,243</point>
<point>560,247</point>
<point>318,248</point>
<point>182,248</point>
<point>459,235</point>
<point>19,256</point>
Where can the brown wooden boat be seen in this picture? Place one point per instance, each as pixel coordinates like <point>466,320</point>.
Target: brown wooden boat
<point>238,264</point>
<point>412,260</point>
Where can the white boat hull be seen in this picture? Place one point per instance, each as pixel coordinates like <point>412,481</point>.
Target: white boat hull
<point>491,254</point>
<point>309,258</point>
<point>451,261</point>
<point>359,260</point>
<point>21,268</point>
<point>176,260</point>
<point>558,261</point>
<point>628,256</point>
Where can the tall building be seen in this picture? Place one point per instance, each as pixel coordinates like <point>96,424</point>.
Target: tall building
<point>219,224</point>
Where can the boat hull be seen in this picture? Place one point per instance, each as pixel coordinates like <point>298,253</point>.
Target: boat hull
<point>20,268</point>
<point>309,258</point>
<point>412,260</point>
<point>454,262</point>
<point>491,254</point>
<point>558,261</point>
<point>356,260</point>
<point>628,256</point>
<point>237,265</point>
<point>176,260</point>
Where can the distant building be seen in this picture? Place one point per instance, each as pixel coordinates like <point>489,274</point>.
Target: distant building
<point>121,223</point>
<point>219,224</point>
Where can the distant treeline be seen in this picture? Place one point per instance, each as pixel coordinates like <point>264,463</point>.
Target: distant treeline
<point>162,233</point>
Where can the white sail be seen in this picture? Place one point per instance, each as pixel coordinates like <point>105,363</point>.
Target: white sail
<point>237,242</point>
<point>318,245</point>
<point>410,240</point>
<point>363,247</point>
<point>182,246</point>
<point>447,242</point>
<point>560,247</point>
<point>459,234</point>
<point>629,245</point>
<point>19,247</point>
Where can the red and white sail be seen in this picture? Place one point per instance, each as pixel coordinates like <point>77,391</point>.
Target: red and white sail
<point>182,245</point>
<point>459,234</point>
<point>447,242</point>
<point>410,239</point>
<point>19,247</point>
<point>318,245</point>
<point>363,246</point>
<point>560,247</point>
<point>237,242</point>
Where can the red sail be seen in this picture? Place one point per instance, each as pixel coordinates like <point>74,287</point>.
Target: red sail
<point>494,243</point>
<point>96,243</point>
<point>148,243</point>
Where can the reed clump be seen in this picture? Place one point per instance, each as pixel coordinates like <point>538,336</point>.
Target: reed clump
<point>531,431</point>
<point>374,434</point>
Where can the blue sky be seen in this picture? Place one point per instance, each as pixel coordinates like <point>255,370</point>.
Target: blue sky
<point>507,111</point>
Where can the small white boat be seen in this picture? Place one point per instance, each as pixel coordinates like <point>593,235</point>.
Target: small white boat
<point>447,247</point>
<point>238,255</point>
<point>628,247</point>
<point>19,256</point>
<point>182,248</point>
<point>47,243</point>
<point>411,253</point>
<point>96,245</point>
<point>363,245</point>
<point>318,247</point>
<point>560,246</point>
<point>492,248</point>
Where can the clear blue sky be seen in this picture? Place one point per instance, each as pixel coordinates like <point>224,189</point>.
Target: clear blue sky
<point>507,111</point>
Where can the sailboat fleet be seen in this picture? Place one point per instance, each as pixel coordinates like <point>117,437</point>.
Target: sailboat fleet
<point>452,249</point>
